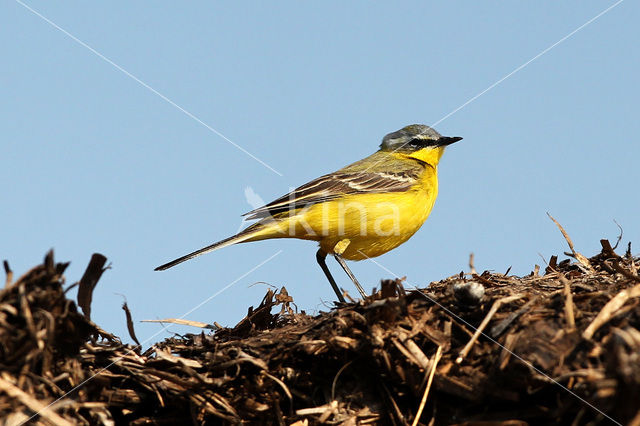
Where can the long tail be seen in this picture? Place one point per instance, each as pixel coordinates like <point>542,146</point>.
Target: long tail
<point>238,238</point>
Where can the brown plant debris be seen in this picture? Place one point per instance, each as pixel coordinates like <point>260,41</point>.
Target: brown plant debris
<point>558,348</point>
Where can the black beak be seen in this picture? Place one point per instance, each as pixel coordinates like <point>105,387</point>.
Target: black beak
<point>445,140</point>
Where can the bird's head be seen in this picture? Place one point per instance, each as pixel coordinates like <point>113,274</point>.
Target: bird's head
<point>419,142</point>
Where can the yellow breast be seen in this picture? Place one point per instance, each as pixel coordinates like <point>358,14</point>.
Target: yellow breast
<point>374,223</point>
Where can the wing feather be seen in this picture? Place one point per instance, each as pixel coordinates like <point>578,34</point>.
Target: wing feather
<point>335,185</point>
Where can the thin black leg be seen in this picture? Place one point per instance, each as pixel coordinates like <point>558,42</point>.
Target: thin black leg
<point>321,258</point>
<point>353,277</point>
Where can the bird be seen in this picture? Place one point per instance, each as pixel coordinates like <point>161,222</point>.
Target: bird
<point>358,212</point>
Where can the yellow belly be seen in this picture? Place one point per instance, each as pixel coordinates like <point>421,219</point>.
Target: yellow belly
<point>373,223</point>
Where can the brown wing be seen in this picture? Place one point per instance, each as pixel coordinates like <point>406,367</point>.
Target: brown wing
<point>335,185</point>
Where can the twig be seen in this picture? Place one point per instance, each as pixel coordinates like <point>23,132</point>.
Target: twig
<point>335,380</point>
<point>609,310</point>
<point>283,386</point>
<point>132,331</point>
<point>9,272</point>
<point>28,317</point>
<point>616,259</point>
<point>416,354</point>
<point>396,342</point>
<point>499,328</point>
<point>88,282</point>
<point>33,404</point>
<point>619,268</point>
<point>426,391</point>
<point>543,259</point>
<point>191,323</point>
<point>619,236</point>
<point>483,280</point>
<point>608,250</point>
<point>568,304</point>
<point>472,268</point>
<point>329,412</point>
<point>483,324</point>
<point>578,256</point>
<point>632,264</point>
<point>396,410</point>
<point>166,355</point>
<point>317,410</point>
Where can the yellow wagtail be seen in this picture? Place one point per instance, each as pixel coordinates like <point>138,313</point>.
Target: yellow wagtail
<point>360,211</point>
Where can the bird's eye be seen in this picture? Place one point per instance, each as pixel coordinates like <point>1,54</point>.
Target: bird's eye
<point>416,142</point>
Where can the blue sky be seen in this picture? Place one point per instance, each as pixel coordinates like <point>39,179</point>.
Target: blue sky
<point>94,161</point>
